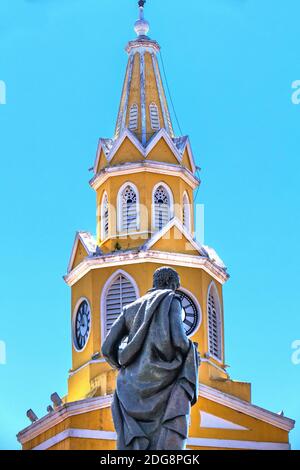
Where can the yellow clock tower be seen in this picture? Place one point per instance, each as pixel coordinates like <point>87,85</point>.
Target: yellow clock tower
<point>144,179</point>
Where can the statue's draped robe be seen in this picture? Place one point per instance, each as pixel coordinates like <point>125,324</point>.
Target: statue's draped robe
<point>158,374</point>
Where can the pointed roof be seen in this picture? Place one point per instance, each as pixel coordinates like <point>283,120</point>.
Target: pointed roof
<point>143,106</point>
<point>144,116</point>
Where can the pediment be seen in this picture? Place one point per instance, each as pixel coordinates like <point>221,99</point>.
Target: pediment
<point>181,240</point>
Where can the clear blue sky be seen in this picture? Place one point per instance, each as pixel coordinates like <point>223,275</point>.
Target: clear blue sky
<point>230,66</point>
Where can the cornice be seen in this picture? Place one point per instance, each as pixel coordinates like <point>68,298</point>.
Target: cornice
<point>149,256</point>
<point>64,412</point>
<point>144,167</point>
<point>92,404</point>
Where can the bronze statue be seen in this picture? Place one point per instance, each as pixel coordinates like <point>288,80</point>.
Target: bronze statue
<point>158,369</point>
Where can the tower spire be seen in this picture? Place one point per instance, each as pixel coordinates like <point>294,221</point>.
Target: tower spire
<point>143,107</point>
<point>141,26</point>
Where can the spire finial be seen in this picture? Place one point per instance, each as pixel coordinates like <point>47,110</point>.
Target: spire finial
<point>141,26</point>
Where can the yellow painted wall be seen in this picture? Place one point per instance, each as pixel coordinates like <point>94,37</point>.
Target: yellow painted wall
<point>256,430</point>
<point>145,183</point>
<point>195,281</point>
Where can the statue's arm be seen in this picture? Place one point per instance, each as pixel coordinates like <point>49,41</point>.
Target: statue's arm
<point>110,347</point>
<point>179,338</point>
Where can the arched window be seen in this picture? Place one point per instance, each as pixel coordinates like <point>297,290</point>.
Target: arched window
<point>186,212</point>
<point>128,209</point>
<point>119,292</point>
<point>162,207</point>
<point>133,117</point>
<point>104,217</point>
<point>154,117</point>
<point>214,323</point>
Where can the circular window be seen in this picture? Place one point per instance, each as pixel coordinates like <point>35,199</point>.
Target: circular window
<point>190,314</point>
<point>82,325</point>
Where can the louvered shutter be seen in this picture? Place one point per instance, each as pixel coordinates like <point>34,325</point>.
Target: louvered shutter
<point>214,327</point>
<point>133,117</point>
<point>161,207</point>
<point>105,217</point>
<point>120,294</point>
<point>129,210</point>
<point>186,212</point>
<point>154,117</point>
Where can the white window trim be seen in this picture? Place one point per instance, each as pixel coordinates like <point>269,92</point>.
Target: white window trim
<point>133,106</point>
<point>105,290</point>
<point>79,301</point>
<point>102,222</point>
<point>119,208</point>
<point>171,199</point>
<point>188,227</point>
<point>212,285</point>
<point>196,302</point>
<point>153,105</point>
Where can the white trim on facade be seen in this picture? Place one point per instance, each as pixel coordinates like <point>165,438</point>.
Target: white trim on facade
<point>186,206</point>
<point>76,433</point>
<point>190,154</point>
<point>168,169</point>
<point>154,116</point>
<point>120,208</point>
<point>145,150</point>
<point>133,139</point>
<point>92,404</point>
<point>64,412</point>
<point>174,222</point>
<point>232,444</point>
<point>210,421</point>
<point>149,256</point>
<point>105,290</point>
<point>133,117</point>
<point>104,235</point>
<point>88,242</point>
<point>213,286</point>
<point>153,207</point>
<point>192,441</point>
<point>163,134</point>
<point>93,361</point>
<point>79,301</point>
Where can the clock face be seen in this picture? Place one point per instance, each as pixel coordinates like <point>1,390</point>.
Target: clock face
<point>190,314</point>
<point>82,325</point>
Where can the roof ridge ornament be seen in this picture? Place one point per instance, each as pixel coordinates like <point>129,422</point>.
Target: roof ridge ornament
<point>142,26</point>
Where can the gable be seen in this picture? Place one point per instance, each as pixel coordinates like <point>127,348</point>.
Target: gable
<point>180,244</point>
<point>102,161</point>
<point>79,256</point>
<point>162,153</point>
<point>186,161</point>
<point>127,152</point>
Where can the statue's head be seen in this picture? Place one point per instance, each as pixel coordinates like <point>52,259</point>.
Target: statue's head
<point>166,278</point>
